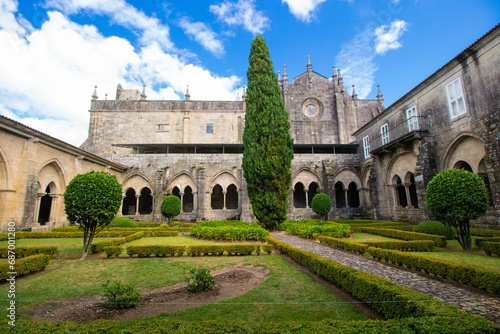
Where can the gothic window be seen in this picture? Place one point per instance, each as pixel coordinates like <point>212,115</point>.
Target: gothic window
<point>353,195</point>
<point>232,197</point>
<point>299,196</point>
<point>366,146</point>
<point>411,119</point>
<point>384,133</point>
<point>145,202</point>
<point>456,103</point>
<point>187,200</point>
<point>313,190</point>
<point>217,198</point>
<point>129,203</point>
<point>463,165</point>
<point>176,192</point>
<point>339,195</point>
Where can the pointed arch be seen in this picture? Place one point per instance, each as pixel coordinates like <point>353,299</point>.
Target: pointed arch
<point>137,181</point>
<point>307,175</point>
<point>181,181</point>
<point>340,201</point>
<point>145,201</point>
<point>52,171</point>
<point>466,147</point>
<point>129,206</point>
<point>224,179</point>
<point>299,195</point>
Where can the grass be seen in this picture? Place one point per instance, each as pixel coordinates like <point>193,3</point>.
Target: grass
<point>69,248</point>
<point>287,294</point>
<point>452,252</point>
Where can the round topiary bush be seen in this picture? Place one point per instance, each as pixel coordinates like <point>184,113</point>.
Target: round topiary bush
<point>321,204</point>
<point>456,196</point>
<point>170,207</point>
<point>123,222</point>
<point>433,227</point>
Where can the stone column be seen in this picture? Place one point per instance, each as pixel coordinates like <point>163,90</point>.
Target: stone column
<point>200,214</point>
<point>182,201</point>
<point>137,196</point>
<point>225,193</point>
<point>307,197</point>
<point>346,198</point>
<point>195,201</point>
<point>54,208</point>
<point>407,192</point>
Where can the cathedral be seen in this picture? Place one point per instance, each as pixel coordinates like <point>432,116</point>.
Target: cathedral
<point>373,162</point>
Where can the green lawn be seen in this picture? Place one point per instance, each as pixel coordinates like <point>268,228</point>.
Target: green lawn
<point>69,248</point>
<point>177,241</point>
<point>287,294</point>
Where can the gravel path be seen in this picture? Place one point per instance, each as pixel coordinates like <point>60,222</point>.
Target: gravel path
<point>470,300</point>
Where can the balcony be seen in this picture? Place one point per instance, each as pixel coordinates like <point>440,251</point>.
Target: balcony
<point>413,127</point>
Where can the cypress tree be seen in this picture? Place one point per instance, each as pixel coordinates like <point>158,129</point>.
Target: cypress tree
<point>268,146</point>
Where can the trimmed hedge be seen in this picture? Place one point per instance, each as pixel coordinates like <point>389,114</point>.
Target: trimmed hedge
<point>439,241</point>
<point>405,246</point>
<point>491,248</point>
<point>351,246</point>
<point>100,245</point>
<point>397,302</point>
<point>478,241</point>
<point>198,250</point>
<point>474,276</point>
<point>435,228</point>
<point>147,224</point>
<point>307,228</point>
<point>24,266</point>
<point>453,324</point>
<point>481,232</point>
<point>43,235</point>
<point>231,230</point>
<point>21,252</point>
<point>66,229</point>
<point>113,251</point>
<point>340,234</point>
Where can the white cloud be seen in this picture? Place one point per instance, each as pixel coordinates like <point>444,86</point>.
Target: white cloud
<point>387,37</point>
<point>303,9</point>
<point>357,64</point>
<point>149,29</point>
<point>47,75</point>
<point>203,35</point>
<point>243,13</point>
<point>356,60</point>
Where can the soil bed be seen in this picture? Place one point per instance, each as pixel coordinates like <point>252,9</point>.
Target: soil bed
<point>230,282</point>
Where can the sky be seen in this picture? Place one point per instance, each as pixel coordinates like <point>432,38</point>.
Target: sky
<point>53,52</point>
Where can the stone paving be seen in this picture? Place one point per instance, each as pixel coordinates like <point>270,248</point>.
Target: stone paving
<point>469,300</point>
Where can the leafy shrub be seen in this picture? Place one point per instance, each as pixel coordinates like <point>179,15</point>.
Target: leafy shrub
<point>405,246</point>
<point>479,241</point>
<point>113,251</point>
<point>484,232</point>
<point>433,227</point>
<point>123,222</point>
<point>119,296</point>
<point>200,280</point>
<point>440,241</point>
<point>158,250</point>
<point>321,204</point>
<point>352,246</point>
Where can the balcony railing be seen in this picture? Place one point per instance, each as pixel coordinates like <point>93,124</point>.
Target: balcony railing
<point>411,127</point>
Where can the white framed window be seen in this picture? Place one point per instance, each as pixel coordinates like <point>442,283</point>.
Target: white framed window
<point>162,127</point>
<point>384,133</point>
<point>456,102</point>
<point>366,146</point>
<point>411,119</point>
<point>210,127</point>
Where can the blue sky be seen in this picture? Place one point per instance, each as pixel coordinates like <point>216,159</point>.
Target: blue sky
<point>53,52</point>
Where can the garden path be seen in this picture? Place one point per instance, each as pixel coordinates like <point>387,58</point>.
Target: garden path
<point>467,299</point>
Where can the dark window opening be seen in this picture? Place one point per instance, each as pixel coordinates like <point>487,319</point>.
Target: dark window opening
<point>145,202</point>
<point>45,206</point>
<point>313,190</point>
<point>232,197</point>
<point>339,195</point>
<point>129,203</point>
<point>299,196</point>
<point>413,192</point>
<point>188,205</point>
<point>217,198</point>
<point>352,195</point>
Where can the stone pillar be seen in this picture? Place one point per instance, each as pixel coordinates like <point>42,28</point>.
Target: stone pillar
<point>158,193</point>
<point>54,208</point>
<point>492,157</point>
<point>307,197</point>
<point>225,196</point>
<point>195,201</point>
<point>137,196</point>
<point>407,192</point>
<point>346,198</point>
<point>30,202</point>
<point>182,201</point>
<point>425,170</point>
<point>200,214</point>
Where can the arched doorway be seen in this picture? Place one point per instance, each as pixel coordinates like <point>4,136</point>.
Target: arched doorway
<point>188,205</point>
<point>129,203</point>
<point>299,196</point>
<point>145,202</point>
<point>313,190</point>
<point>400,192</point>
<point>339,195</point>
<point>45,207</point>
<point>412,189</point>
<point>232,197</point>
<point>217,198</point>
<point>352,195</point>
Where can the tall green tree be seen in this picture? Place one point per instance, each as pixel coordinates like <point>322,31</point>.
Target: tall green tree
<point>91,201</point>
<point>268,146</point>
<point>455,196</point>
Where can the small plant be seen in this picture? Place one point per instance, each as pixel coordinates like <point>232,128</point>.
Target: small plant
<point>113,251</point>
<point>123,222</point>
<point>170,207</point>
<point>321,204</point>
<point>119,296</point>
<point>200,280</point>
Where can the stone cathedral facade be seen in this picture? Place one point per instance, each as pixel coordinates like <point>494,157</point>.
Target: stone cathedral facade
<point>374,162</point>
